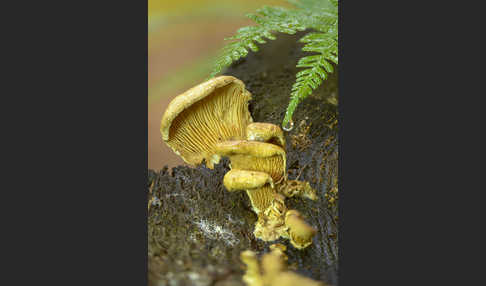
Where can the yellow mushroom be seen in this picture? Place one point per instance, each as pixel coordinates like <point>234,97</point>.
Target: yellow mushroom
<point>265,132</point>
<point>273,264</point>
<point>250,161</point>
<point>271,222</point>
<point>214,111</point>
<point>255,156</point>
<point>299,232</point>
<point>212,120</point>
<point>252,276</point>
<point>280,249</point>
<point>246,180</point>
<point>273,270</point>
<point>292,279</point>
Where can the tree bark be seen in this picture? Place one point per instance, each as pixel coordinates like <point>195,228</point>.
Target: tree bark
<point>197,229</point>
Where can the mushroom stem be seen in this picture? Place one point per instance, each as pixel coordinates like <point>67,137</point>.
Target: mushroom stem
<point>271,222</point>
<point>273,264</point>
<point>252,276</point>
<point>273,270</point>
<point>290,279</point>
<point>299,231</point>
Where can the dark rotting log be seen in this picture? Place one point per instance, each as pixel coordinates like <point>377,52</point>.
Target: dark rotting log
<point>197,229</point>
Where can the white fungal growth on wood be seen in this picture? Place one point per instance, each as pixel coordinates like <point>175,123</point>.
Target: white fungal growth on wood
<point>214,231</point>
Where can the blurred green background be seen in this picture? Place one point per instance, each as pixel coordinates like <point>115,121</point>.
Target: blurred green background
<point>183,38</point>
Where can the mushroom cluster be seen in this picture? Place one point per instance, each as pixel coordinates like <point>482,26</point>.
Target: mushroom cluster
<point>212,120</point>
<point>272,270</point>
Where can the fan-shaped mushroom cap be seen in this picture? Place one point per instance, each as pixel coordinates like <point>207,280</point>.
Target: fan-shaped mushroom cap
<point>245,180</point>
<point>214,111</point>
<point>265,132</point>
<point>299,231</point>
<point>255,156</point>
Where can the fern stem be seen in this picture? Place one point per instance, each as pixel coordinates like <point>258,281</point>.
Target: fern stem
<point>294,101</point>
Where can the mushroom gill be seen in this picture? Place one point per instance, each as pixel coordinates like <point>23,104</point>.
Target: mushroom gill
<point>255,156</point>
<point>261,198</point>
<point>214,111</point>
<point>271,222</point>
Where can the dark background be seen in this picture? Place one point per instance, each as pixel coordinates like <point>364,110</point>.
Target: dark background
<point>75,144</point>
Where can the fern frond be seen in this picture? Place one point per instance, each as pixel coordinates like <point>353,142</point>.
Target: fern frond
<point>312,4</point>
<point>316,67</point>
<point>246,39</point>
<point>270,20</point>
<point>318,15</point>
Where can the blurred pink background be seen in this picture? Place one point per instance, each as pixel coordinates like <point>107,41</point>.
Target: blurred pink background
<point>184,36</point>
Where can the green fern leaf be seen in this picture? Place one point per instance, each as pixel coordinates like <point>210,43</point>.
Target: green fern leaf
<point>317,15</point>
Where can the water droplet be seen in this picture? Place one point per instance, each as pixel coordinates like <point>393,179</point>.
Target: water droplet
<point>289,126</point>
<point>156,202</point>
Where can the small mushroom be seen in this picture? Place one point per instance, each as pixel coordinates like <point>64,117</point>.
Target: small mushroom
<point>272,271</point>
<point>255,156</point>
<point>252,275</point>
<point>246,180</point>
<point>299,231</point>
<point>273,264</point>
<point>214,111</point>
<point>247,158</point>
<point>249,161</point>
<point>265,132</point>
